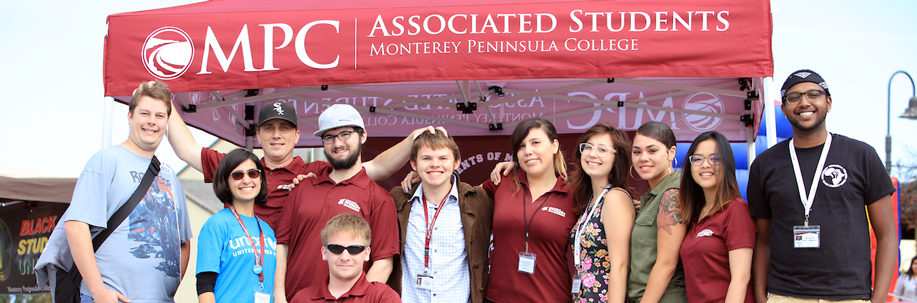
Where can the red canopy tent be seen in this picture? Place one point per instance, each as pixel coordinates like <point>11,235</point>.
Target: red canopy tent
<point>477,66</point>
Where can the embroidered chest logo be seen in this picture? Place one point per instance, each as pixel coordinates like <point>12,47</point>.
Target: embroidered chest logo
<point>834,175</point>
<point>554,210</point>
<point>704,233</point>
<point>285,186</point>
<point>349,204</point>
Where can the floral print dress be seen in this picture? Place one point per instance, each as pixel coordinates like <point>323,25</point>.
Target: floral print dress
<point>593,255</point>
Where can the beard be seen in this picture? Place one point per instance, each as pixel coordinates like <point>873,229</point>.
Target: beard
<point>345,163</point>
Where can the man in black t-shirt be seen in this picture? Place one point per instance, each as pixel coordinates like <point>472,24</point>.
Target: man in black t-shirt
<point>813,239</point>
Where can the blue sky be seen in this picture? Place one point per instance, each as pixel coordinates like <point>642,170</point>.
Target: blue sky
<point>54,109</point>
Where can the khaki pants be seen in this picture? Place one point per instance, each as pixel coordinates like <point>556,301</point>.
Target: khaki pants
<point>774,298</point>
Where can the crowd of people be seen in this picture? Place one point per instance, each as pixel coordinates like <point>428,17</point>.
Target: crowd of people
<point>326,232</point>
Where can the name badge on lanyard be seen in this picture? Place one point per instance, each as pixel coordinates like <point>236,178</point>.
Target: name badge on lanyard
<point>526,259</point>
<point>425,280</point>
<point>577,242</point>
<point>808,236</point>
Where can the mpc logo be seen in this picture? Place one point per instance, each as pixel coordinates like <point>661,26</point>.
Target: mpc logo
<point>704,103</point>
<point>167,53</point>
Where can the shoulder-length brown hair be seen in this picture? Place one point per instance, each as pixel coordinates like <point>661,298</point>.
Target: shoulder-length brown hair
<point>224,169</point>
<point>582,183</point>
<point>691,194</point>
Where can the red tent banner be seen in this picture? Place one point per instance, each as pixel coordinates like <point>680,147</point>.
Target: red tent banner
<point>477,66</point>
<point>255,44</point>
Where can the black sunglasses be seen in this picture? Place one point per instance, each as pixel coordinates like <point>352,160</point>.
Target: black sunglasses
<point>253,173</point>
<point>337,249</point>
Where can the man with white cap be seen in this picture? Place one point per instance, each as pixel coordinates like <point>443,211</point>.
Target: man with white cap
<point>278,134</point>
<point>344,187</point>
<point>814,198</point>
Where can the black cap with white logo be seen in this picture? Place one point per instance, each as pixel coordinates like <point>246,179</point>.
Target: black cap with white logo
<point>800,76</point>
<point>277,110</point>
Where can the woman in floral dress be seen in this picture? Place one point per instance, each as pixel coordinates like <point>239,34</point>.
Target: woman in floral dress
<point>601,237</point>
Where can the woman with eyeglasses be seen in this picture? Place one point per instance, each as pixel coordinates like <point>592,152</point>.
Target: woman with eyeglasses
<point>236,257</point>
<point>717,252</point>
<point>656,274</point>
<point>601,237</point>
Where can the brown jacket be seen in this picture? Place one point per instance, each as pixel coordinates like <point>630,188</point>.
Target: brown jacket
<point>477,219</point>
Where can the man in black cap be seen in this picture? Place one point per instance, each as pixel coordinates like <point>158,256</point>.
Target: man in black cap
<point>809,196</point>
<point>278,134</point>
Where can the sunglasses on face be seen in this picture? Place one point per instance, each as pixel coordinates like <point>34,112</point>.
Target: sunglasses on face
<point>337,249</point>
<point>253,173</point>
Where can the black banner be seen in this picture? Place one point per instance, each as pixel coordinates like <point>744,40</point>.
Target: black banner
<point>23,236</point>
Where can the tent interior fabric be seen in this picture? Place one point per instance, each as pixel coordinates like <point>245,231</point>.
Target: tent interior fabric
<point>21,188</point>
<point>478,67</point>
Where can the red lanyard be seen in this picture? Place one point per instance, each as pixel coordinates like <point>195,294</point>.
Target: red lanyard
<point>258,260</point>
<point>426,252</point>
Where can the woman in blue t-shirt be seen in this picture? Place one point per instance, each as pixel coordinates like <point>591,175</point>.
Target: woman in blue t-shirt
<point>236,255</point>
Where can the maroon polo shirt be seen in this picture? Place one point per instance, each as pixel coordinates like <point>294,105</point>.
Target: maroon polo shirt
<point>705,252</point>
<point>315,201</point>
<point>548,236</point>
<point>278,181</point>
<point>362,291</point>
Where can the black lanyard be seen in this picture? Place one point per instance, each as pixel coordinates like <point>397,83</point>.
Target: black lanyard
<point>528,223</point>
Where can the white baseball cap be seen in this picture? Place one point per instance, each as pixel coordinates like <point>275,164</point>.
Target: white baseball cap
<point>338,115</point>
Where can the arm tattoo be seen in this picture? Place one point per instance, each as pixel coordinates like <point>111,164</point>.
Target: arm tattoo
<point>669,211</point>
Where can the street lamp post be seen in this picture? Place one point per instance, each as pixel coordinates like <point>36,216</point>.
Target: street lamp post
<point>909,113</point>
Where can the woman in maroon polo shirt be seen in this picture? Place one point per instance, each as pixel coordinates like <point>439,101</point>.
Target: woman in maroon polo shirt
<point>533,216</point>
<point>717,250</point>
<point>601,237</point>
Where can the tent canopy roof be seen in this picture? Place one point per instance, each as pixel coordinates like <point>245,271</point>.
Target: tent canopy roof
<point>401,62</point>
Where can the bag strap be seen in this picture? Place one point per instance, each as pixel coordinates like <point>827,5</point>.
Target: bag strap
<point>129,206</point>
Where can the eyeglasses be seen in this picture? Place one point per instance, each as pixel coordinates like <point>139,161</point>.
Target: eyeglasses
<point>337,249</point>
<point>600,150</point>
<point>698,159</point>
<point>793,98</point>
<point>344,135</point>
<point>253,173</point>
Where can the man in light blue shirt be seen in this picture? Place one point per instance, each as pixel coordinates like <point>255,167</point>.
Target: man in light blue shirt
<point>445,228</point>
<point>144,258</point>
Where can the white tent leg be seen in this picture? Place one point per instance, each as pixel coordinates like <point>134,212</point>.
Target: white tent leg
<point>770,112</point>
<point>107,105</point>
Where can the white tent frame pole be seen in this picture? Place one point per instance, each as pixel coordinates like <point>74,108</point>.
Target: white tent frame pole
<point>107,108</point>
<point>750,130</point>
<point>696,89</point>
<point>390,112</point>
<point>770,112</point>
<point>493,119</point>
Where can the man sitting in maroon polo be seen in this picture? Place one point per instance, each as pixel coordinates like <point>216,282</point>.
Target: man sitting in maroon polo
<point>345,241</point>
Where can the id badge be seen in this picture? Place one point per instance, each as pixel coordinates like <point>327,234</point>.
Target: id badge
<point>526,263</point>
<point>577,284</point>
<point>806,237</point>
<point>261,296</point>
<point>424,282</point>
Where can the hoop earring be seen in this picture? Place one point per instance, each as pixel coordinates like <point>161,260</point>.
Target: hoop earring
<point>676,162</point>
<point>631,171</point>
